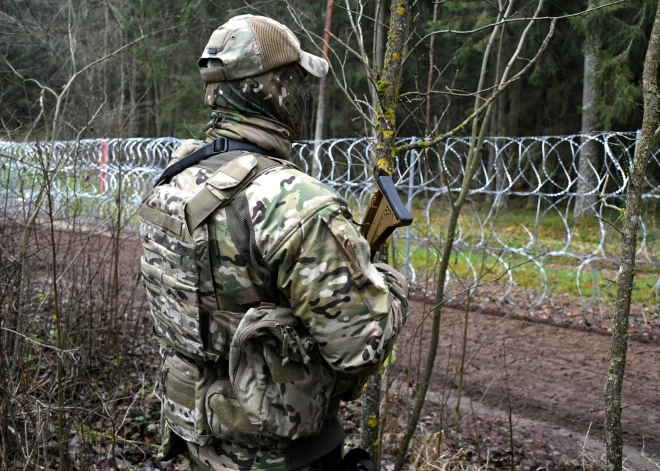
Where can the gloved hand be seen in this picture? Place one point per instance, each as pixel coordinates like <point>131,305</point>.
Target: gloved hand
<point>393,276</point>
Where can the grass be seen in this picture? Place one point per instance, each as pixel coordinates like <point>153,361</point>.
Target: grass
<point>483,236</point>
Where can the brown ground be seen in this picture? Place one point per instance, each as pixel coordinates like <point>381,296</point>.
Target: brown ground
<point>555,379</point>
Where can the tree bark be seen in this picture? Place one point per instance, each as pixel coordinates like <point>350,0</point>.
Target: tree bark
<point>588,177</point>
<point>380,37</point>
<point>105,69</point>
<point>380,34</point>
<point>387,88</point>
<point>387,92</point>
<point>320,109</point>
<point>132,89</point>
<point>429,89</point>
<point>500,200</point>
<point>429,82</point>
<point>624,285</point>
<point>122,85</point>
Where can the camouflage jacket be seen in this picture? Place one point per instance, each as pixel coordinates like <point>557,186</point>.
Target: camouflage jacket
<point>352,308</point>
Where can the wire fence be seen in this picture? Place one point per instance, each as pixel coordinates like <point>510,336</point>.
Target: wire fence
<point>519,212</point>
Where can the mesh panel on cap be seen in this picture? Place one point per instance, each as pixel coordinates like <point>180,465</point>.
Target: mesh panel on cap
<point>276,49</point>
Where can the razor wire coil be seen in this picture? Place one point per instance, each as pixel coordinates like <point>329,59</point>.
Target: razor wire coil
<point>93,177</point>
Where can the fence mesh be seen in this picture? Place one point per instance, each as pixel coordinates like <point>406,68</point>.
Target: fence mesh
<point>519,212</point>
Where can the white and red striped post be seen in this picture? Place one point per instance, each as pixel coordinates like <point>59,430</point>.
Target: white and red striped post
<point>103,181</point>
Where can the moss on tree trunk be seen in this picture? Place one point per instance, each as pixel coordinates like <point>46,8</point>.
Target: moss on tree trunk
<point>624,285</point>
<point>387,91</point>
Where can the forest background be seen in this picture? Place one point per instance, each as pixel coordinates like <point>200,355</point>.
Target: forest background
<point>153,89</point>
<point>135,71</point>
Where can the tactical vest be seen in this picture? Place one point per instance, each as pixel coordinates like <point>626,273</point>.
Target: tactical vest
<point>242,371</point>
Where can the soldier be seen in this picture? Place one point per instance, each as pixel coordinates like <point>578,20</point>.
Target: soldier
<point>261,289</point>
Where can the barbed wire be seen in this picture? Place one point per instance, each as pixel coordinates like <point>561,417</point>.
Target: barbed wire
<point>519,207</point>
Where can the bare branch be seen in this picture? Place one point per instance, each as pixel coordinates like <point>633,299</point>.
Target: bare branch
<point>482,108</point>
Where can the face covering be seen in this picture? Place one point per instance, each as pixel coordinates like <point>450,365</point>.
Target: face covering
<point>279,95</point>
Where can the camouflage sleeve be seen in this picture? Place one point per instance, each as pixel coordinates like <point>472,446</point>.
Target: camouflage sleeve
<point>353,308</point>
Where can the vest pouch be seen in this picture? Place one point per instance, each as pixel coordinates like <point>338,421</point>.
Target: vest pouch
<point>183,388</point>
<point>224,411</point>
<point>278,376</point>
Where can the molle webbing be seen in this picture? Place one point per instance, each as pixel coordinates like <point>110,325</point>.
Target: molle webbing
<point>161,219</point>
<point>176,263</point>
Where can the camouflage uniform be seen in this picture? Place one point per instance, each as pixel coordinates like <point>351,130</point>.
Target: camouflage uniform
<point>352,308</point>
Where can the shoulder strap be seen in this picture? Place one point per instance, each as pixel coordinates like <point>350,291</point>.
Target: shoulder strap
<point>217,146</point>
<point>206,201</point>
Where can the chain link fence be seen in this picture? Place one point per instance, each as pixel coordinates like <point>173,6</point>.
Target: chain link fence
<point>517,228</point>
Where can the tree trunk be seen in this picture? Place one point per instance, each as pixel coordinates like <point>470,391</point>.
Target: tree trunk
<point>380,38</point>
<point>501,200</point>
<point>429,88</point>
<point>132,88</point>
<point>624,285</point>
<point>158,122</point>
<point>588,177</point>
<point>370,419</point>
<point>429,82</point>
<point>104,70</point>
<point>380,34</point>
<point>122,87</point>
<point>387,89</point>
<point>320,109</point>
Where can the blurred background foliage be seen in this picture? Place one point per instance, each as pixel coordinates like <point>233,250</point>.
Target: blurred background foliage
<point>153,89</point>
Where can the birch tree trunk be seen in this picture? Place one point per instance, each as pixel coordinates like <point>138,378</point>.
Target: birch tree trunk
<point>588,178</point>
<point>624,285</point>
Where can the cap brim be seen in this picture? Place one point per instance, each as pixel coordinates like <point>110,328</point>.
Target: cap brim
<point>317,66</point>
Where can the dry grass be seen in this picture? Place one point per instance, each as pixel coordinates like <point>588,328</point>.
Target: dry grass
<point>429,454</point>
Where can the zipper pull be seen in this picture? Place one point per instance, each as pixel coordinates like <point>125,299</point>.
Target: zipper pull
<point>301,347</point>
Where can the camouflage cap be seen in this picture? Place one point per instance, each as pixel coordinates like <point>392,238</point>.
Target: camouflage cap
<point>249,45</point>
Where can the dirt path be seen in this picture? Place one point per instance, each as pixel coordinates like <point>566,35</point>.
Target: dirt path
<point>555,376</point>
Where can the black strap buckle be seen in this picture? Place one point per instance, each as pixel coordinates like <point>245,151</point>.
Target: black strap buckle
<point>220,145</point>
